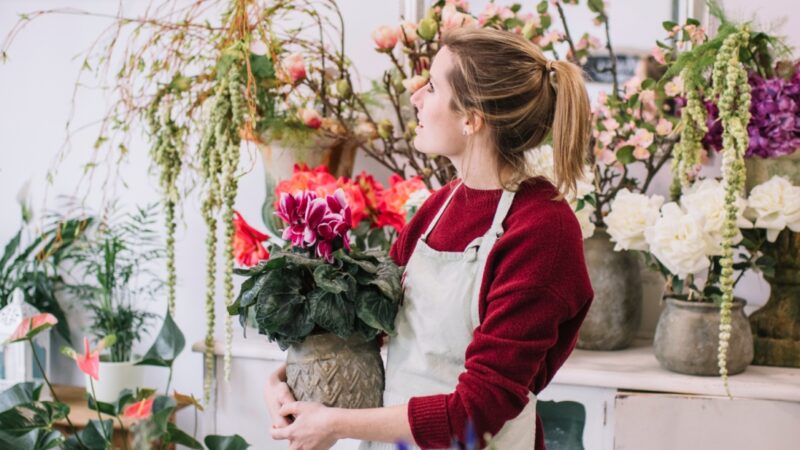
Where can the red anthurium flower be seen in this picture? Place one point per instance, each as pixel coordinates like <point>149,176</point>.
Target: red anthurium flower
<point>31,326</point>
<point>139,410</point>
<point>247,247</point>
<point>89,362</point>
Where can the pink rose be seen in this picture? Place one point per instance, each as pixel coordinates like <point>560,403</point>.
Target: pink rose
<point>310,118</point>
<point>385,37</point>
<point>295,66</point>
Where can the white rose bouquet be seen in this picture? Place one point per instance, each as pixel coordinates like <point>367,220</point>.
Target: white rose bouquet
<point>683,240</point>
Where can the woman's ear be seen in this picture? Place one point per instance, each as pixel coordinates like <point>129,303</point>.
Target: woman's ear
<point>473,122</point>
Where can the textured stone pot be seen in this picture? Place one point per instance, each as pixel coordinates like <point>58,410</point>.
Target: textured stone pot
<point>687,338</point>
<point>776,325</point>
<point>336,372</point>
<point>616,311</point>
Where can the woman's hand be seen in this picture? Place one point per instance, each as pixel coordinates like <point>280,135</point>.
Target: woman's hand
<point>313,427</point>
<point>277,394</point>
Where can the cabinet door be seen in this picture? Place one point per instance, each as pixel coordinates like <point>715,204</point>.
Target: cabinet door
<point>656,421</point>
<point>577,417</point>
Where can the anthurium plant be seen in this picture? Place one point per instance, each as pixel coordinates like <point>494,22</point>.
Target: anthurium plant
<point>316,282</point>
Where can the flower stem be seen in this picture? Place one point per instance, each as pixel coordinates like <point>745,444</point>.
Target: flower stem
<point>99,417</point>
<point>72,427</point>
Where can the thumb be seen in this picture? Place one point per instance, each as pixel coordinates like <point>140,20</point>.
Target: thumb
<point>290,409</point>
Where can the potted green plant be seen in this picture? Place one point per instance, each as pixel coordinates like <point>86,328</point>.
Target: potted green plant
<point>324,301</point>
<point>114,277</point>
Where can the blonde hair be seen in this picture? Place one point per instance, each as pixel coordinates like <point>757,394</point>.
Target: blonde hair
<point>522,97</point>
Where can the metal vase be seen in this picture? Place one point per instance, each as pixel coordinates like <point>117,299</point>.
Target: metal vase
<point>687,338</point>
<point>616,311</point>
<point>343,373</point>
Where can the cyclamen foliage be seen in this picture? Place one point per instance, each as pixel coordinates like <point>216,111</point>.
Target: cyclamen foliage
<point>294,295</point>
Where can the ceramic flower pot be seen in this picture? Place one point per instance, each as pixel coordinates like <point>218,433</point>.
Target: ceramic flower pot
<point>344,373</point>
<point>114,377</point>
<point>687,338</point>
<point>616,311</point>
<point>776,325</point>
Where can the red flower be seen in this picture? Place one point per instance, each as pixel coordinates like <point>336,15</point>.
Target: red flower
<point>31,326</point>
<point>321,182</point>
<point>373,192</point>
<point>89,362</point>
<point>392,206</point>
<point>247,247</point>
<point>139,410</point>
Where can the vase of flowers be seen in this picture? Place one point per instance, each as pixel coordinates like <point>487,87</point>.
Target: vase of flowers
<point>683,241</point>
<point>687,338</point>
<point>324,301</point>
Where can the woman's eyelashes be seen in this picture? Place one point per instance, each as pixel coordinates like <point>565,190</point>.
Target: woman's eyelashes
<point>430,87</point>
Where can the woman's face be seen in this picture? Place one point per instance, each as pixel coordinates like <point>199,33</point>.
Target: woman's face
<point>439,128</point>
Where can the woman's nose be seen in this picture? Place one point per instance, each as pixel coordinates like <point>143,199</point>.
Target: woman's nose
<point>416,98</point>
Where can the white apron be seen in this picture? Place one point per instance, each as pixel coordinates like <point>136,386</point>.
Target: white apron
<point>435,326</point>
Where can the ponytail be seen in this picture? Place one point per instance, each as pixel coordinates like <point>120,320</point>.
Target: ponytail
<point>571,124</point>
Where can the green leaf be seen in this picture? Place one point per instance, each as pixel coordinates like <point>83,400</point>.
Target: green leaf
<point>262,67</point>
<point>541,8</point>
<point>10,249</point>
<point>546,21</point>
<point>648,83</point>
<point>168,345</point>
<point>28,416</point>
<point>19,393</point>
<point>331,312</point>
<point>596,6</point>
<point>116,408</point>
<point>216,442</point>
<point>625,154</point>
<point>25,441</point>
<point>691,21</point>
<point>668,25</point>
<point>329,279</point>
<point>178,436</point>
<point>388,280</point>
<point>95,436</point>
<point>376,310</point>
<point>579,205</point>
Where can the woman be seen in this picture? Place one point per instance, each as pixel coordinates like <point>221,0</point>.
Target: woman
<point>488,316</point>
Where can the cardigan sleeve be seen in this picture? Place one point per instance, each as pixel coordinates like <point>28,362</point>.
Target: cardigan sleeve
<point>528,311</point>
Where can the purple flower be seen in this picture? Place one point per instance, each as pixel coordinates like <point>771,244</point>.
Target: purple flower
<point>774,127</point>
<point>319,224</point>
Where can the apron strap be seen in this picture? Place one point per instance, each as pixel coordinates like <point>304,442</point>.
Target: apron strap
<point>494,233</point>
<point>439,214</point>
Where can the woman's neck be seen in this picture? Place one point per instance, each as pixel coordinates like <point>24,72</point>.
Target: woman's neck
<point>478,168</point>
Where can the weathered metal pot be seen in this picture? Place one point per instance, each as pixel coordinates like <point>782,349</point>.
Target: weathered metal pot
<point>687,338</point>
<point>616,311</point>
<point>343,373</point>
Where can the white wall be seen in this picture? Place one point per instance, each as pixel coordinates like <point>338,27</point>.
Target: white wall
<point>36,87</point>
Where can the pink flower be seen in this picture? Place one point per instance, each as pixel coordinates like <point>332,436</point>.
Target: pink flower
<point>641,138</point>
<point>663,127</point>
<point>310,118</point>
<point>295,66</point>
<point>89,362</point>
<point>552,37</point>
<point>610,124</point>
<point>641,153</point>
<point>658,55</point>
<point>452,18</point>
<point>408,32</point>
<point>385,37</point>
<point>139,410</point>
<point>31,326</point>
<point>674,87</point>
<point>414,83</point>
<point>316,222</point>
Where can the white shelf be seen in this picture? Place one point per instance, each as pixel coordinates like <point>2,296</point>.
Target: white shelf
<point>636,368</point>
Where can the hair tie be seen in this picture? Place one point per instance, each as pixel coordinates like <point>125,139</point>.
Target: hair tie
<point>551,74</point>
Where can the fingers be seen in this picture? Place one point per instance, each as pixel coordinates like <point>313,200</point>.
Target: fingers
<point>284,433</point>
<point>284,394</point>
<point>292,408</point>
<point>279,375</point>
<point>274,397</point>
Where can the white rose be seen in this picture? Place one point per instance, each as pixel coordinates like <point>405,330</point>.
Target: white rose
<point>630,215</point>
<point>679,241</point>
<point>540,160</point>
<point>707,197</point>
<point>585,219</point>
<point>775,205</point>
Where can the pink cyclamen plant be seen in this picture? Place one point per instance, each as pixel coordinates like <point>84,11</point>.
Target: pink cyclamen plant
<point>316,223</point>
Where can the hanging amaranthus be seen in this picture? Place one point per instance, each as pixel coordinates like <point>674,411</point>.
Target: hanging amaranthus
<point>166,152</point>
<point>219,151</point>
<point>686,154</point>
<point>729,81</point>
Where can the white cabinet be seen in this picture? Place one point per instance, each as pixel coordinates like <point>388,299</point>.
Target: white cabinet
<point>618,400</point>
